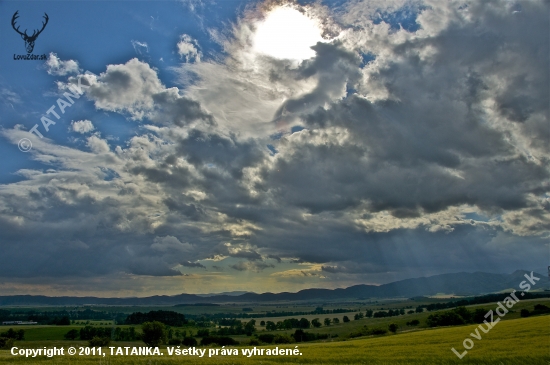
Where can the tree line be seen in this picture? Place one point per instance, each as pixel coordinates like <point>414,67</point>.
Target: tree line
<point>489,298</point>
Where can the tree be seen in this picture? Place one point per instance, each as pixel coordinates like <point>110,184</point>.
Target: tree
<point>327,321</point>
<point>479,315</point>
<point>71,335</point>
<point>393,327</point>
<point>63,321</point>
<point>154,333</point>
<point>402,311</point>
<point>345,319</point>
<point>335,320</point>
<point>270,326</point>
<point>316,323</point>
<point>368,314</point>
<point>262,323</point>
<point>250,327</point>
<point>419,309</point>
<point>21,335</point>
<point>203,333</point>
<point>304,323</point>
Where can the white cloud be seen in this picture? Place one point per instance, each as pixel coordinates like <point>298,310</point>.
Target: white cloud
<point>82,126</point>
<point>57,67</point>
<point>188,49</point>
<point>97,145</point>
<point>139,46</point>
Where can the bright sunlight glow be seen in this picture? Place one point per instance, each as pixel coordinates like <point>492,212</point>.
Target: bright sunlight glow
<point>287,34</point>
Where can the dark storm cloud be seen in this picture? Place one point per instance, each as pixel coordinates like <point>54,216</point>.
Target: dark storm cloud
<point>251,266</point>
<point>192,264</point>
<point>448,120</point>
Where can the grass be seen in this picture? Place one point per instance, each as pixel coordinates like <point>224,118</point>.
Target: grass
<point>56,333</point>
<point>516,341</point>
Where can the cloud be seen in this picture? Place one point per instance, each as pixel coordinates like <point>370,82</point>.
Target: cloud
<point>135,88</point>
<point>188,49</point>
<point>239,251</point>
<point>97,145</point>
<point>82,126</point>
<point>251,266</point>
<point>55,66</point>
<point>139,46</point>
<point>170,243</point>
<point>192,264</point>
<point>402,150</point>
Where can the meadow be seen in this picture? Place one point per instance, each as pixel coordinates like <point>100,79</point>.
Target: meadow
<point>516,341</point>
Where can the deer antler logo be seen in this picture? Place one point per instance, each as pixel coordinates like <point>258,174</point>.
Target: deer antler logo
<point>29,39</point>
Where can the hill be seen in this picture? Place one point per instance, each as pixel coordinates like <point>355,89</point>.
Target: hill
<point>458,283</point>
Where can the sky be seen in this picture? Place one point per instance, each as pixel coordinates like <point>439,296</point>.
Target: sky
<point>203,146</point>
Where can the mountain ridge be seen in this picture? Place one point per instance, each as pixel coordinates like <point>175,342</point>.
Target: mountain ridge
<point>454,283</point>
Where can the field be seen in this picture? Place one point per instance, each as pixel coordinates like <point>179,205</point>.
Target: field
<point>517,341</point>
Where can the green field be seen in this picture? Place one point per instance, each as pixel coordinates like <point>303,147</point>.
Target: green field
<point>516,341</point>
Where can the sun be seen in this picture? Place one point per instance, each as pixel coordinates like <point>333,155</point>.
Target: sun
<point>286,33</point>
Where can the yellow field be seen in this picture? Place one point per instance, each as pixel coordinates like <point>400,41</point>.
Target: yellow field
<point>519,341</point>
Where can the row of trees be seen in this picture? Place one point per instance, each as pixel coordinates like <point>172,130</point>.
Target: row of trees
<point>62,317</point>
<point>302,323</point>
<point>489,298</point>
<point>457,316</point>
<point>538,309</point>
<point>8,337</point>
<point>169,318</point>
<point>16,335</point>
<point>236,328</point>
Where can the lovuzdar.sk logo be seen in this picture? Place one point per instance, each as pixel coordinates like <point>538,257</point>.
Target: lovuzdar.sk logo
<point>29,39</point>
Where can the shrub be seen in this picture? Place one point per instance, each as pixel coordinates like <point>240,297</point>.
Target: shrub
<point>365,331</point>
<point>6,343</point>
<point>267,338</point>
<point>99,341</point>
<point>283,339</point>
<point>377,331</point>
<point>174,342</point>
<point>71,335</point>
<point>189,341</point>
<point>220,340</point>
<point>203,333</point>
<point>450,318</point>
<point>414,322</point>
<point>393,327</point>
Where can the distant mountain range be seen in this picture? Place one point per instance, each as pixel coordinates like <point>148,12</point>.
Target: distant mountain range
<point>459,284</point>
<point>230,293</point>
